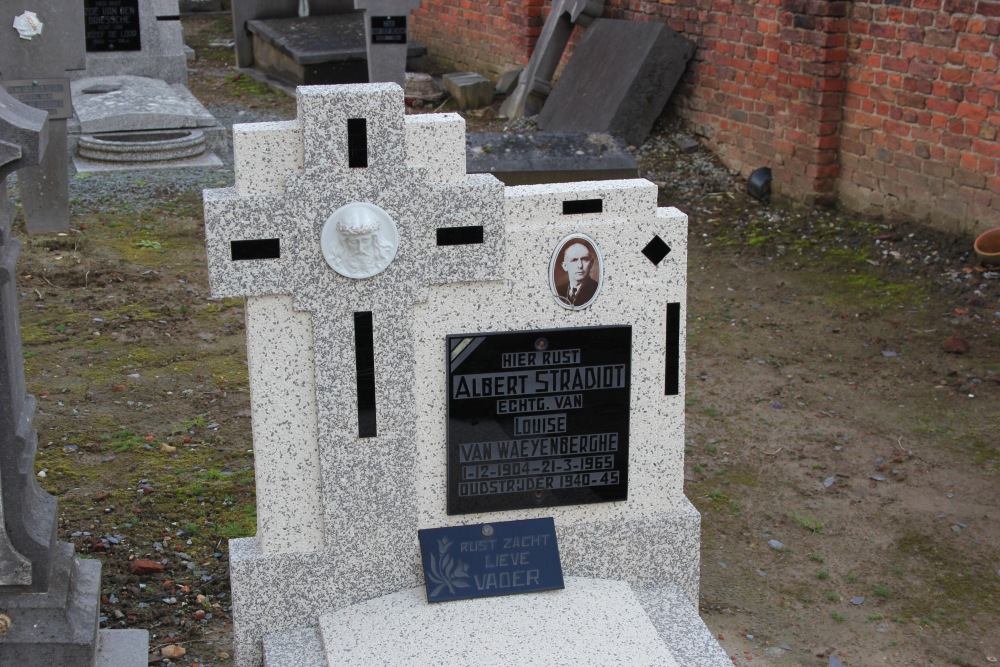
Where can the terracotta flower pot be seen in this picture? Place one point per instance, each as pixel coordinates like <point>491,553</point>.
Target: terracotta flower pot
<point>987,246</point>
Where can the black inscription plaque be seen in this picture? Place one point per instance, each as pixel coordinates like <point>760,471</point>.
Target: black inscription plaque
<point>389,29</point>
<point>112,25</point>
<point>50,95</point>
<point>538,418</point>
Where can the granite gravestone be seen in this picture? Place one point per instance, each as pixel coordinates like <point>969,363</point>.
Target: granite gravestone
<point>136,38</point>
<point>412,328</point>
<point>535,81</point>
<point>52,54</point>
<point>48,597</point>
<point>133,109</point>
<point>386,38</point>
<point>618,80</point>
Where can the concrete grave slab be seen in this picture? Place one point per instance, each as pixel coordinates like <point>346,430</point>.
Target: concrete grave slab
<point>134,103</point>
<point>469,89</point>
<point>345,477</point>
<point>591,622</point>
<point>249,10</point>
<point>127,122</point>
<point>322,49</point>
<point>526,158</point>
<point>618,80</point>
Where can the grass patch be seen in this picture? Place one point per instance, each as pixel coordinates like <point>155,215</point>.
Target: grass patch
<point>808,522</point>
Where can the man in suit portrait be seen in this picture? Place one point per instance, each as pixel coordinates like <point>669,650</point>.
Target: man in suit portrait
<point>577,260</point>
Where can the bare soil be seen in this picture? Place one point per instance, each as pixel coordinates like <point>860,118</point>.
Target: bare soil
<point>844,462</point>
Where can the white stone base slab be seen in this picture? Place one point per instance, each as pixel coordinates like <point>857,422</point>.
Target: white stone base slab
<point>294,648</point>
<point>657,553</point>
<point>84,165</point>
<point>122,648</point>
<point>590,622</point>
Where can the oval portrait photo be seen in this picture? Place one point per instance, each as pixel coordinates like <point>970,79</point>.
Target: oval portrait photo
<point>576,271</point>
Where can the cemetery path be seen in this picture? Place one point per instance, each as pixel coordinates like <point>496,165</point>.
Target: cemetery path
<point>845,463</point>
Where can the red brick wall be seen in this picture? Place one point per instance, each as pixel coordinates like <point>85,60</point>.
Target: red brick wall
<point>884,106</point>
<point>920,111</point>
<point>485,36</point>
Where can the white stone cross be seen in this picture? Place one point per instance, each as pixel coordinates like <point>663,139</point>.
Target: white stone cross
<point>361,244</point>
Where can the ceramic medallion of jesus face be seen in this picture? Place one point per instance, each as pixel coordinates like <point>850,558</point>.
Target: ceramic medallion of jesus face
<point>576,272</point>
<point>359,240</point>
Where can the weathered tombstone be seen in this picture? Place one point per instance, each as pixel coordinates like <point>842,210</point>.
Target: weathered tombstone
<point>386,38</point>
<point>48,597</point>
<point>535,81</point>
<point>318,49</point>
<point>250,10</point>
<point>618,80</point>
<point>50,55</point>
<point>133,109</point>
<point>134,37</point>
<point>135,122</point>
<point>430,349</point>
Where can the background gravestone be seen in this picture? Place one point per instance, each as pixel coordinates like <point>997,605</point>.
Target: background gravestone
<point>535,81</point>
<point>618,80</point>
<point>134,37</point>
<point>133,109</point>
<point>53,54</point>
<point>250,10</point>
<point>49,596</point>
<point>387,38</point>
<point>355,438</point>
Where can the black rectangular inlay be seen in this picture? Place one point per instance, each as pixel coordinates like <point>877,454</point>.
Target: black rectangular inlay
<point>577,206</point>
<point>364,360</point>
<point>255,249</point>
<point>111,25</point>
<point>389,29</point>
<point>673,354</point>
<point>656,250</point>
<point>169,17</point>
<point>460,235</point>
<point>538,418</point>
<point>357,143</point>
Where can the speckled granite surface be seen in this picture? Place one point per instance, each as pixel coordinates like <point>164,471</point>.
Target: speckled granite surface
<point>338,512</point>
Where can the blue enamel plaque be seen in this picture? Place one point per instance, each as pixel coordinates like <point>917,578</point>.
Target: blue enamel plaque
<point>489,559</point>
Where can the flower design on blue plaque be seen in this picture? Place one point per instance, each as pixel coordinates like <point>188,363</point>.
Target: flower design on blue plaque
<point>446,571</point>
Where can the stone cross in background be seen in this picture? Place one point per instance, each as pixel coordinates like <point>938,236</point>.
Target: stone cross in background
<point>50,598</point>
<point>385,38</point>
<point>535,81</point>
<point>22,143</point>
<point>58,49</point>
